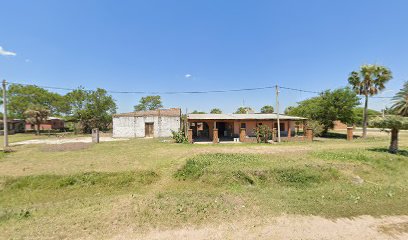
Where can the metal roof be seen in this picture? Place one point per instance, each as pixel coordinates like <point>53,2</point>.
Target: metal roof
<point>254,116</point>
<point>172,112</point>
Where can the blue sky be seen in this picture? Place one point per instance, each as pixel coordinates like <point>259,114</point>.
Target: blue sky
<point>153,45</point>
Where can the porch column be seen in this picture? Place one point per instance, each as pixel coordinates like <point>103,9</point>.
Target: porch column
<point>215,135</point>
<point>242,134</point>
<point>289,132</point>
<point>349,133</point>
<point>190,135</point>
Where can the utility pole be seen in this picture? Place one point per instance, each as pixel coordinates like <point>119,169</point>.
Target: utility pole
<point>277,111</point>
<point>5,125</point>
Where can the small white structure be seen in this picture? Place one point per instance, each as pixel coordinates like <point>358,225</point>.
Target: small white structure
<point>155,123</point>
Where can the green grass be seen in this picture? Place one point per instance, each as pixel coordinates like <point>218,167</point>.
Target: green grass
<point>146,183</point>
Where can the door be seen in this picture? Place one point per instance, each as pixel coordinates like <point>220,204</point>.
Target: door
<point>148,129</point>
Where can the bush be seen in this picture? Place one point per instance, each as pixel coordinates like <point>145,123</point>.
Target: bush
<point>263,133</point>
<point>316,126</point>
<point>179,137</point>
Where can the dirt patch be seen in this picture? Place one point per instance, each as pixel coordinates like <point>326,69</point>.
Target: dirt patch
<point>65,147</point>
<point>394,228</point>
<point>67,140</point>
<point>285,227</point>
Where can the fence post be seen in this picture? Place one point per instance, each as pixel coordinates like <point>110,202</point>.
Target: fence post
<point>349,133</point>
<point>95,135</point>
<point>309,134</point>
<point>242,134</point>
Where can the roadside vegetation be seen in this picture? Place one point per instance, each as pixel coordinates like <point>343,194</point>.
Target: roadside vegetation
<point>104,189</point>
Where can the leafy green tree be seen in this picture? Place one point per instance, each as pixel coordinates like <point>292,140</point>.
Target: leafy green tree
<point>395,123</point>
<point>243,110</point>
<point>329,107</point>
<point>198,112</point>
<point>215,111</point>
<point>149,103</point>
<point>21,98</point>
<point>92,109</point>
<point>401,101</point>
<point>359,112</point>
<point>37,115</point>
<point>368,81</point>
<point>267,109</point>
<point>288,110</point>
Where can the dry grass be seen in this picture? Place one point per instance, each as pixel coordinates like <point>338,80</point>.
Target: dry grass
<point>102,191</point>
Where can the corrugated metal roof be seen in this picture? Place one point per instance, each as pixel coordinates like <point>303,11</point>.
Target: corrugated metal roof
<point>172,112</point>
<point>256,116</point>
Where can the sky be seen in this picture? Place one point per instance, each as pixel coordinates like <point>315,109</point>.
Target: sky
<point>192,45</point>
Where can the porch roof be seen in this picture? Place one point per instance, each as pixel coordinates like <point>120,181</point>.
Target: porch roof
<point>250,116</point>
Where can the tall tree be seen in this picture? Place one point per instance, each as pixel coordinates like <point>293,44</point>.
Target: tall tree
<point>198,112</point>
<point>395,123</point>
<point>215,111</point>
<point>37,115</point>
<point>267,109</point>
<point>149,103</point>
<point>21,98</point>
<point>328,107</point>
<point>359,113</point>
<point>93,109</point>
<point>244,110</point>
<point>288,110</point>
<point>368,81</point>
<point>400,100</point>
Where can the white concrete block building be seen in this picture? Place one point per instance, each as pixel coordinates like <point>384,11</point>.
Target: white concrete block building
<point>155,123</point>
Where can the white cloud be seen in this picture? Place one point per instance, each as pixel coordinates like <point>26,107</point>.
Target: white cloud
<point>6,53</point>
<point>188,75</point>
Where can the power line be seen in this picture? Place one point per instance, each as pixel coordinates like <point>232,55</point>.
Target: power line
<point>185,92</point>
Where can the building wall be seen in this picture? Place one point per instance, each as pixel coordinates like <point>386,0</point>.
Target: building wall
<point>130,126</point>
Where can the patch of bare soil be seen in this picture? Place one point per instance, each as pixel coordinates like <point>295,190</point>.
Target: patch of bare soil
<point>65,147</point>
<point>287,227</point>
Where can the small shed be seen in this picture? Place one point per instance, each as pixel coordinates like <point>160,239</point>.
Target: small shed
<point>153,123</point>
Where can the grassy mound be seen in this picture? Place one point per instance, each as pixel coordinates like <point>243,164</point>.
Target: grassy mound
<point>218,169</point>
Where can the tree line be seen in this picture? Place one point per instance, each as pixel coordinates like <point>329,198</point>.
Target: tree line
<point>86,108</point>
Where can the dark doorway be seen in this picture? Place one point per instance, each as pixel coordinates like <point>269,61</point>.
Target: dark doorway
<point>149,129</point>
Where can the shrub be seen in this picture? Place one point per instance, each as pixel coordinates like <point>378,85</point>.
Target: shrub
<point>179,137</point>
<point>263,133</point>
<point>316,126</point>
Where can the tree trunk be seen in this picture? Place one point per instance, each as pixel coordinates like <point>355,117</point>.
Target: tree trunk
<point>394,141</point>
<point>365,117</point>
<point>38,129</point>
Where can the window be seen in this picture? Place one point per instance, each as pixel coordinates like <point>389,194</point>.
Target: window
<point>259,124</point>
<point>282,126</point>
<point>243,125</point>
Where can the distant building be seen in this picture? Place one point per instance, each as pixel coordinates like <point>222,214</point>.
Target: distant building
<point>154,123</point>
<point>14,126</point>
<point>52,123</point>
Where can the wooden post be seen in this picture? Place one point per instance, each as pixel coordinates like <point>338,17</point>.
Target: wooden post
<point>215,135</point>
<point>5,123</point>
<point>349,133</point>
<point>190,135</point>
<point>309,134</point>
<point>242,134</point>
<point>95,135</point>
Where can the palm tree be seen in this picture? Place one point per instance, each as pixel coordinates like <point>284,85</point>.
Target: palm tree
<point>369,81</point>
<point>401,101</point>
<point>393,122</point>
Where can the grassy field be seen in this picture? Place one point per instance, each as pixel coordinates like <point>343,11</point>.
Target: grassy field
<point>106,189</point>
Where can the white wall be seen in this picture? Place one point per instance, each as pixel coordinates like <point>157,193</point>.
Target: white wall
<point>135,126</point>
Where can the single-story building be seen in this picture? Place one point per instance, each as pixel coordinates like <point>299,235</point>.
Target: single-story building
<point>154,123</point>
<point>14,126</point>
<point>52,123</point>
<point>230,126</point>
